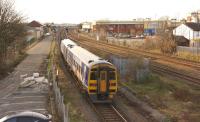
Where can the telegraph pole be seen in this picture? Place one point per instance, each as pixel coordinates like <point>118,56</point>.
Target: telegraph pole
<point>198,40</point>
<point>199,33</point>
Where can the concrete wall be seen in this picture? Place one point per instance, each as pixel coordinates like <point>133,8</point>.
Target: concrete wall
<point>126,42</point>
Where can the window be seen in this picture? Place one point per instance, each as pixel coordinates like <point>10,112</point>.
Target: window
<point>112,75</point>
<point>103,75</point>
<point>93,76</point>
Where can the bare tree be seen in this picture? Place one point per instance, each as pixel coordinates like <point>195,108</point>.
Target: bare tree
<point>11,28</point>
<point>167,43</point>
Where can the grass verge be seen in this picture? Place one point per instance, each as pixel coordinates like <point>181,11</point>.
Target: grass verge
<point>7,68</point>
<point>174,98</point>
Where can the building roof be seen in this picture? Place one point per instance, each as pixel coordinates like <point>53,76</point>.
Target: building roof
<point>193,26</point>
<point>34,24</point>
<point>119,22</point>
<point>86,23</point>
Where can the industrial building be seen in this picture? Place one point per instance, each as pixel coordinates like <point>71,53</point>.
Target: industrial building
<point>119,28</point>
<point>133,28</point>
<point>153,27</point>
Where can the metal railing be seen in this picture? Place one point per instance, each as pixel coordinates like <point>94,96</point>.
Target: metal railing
<point>62,109</point>
<point>192,50</point>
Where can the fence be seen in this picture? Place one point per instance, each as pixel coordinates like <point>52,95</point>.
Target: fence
<point>192,50</point>
<point>59,100</point>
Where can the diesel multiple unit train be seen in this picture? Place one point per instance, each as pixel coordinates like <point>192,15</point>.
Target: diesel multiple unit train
<point>97,76</point>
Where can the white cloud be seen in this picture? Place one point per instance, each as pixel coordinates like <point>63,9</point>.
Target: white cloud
<point>75,11</point>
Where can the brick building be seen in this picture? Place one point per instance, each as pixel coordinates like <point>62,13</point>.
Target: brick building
<point>112,28</point>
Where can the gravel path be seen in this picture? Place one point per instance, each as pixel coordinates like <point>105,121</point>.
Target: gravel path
<point>15,99</point>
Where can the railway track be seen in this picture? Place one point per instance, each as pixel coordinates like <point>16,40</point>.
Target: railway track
<point>108,113</point>
<point>158,68</point>
<point>166,70</point>
<point>176,60</point>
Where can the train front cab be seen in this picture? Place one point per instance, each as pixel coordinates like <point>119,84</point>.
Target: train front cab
<point>102,83</point>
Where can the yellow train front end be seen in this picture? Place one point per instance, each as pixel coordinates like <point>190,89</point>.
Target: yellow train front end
<point>102,82</point>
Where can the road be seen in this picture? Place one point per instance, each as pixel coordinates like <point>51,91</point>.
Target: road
<point>14,98</point>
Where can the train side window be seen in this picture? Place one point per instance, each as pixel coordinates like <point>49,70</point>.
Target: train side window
<point>112,75</point>
<point>93,76</point>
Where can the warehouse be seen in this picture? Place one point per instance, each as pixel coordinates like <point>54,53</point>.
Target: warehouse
<point>119,28</point>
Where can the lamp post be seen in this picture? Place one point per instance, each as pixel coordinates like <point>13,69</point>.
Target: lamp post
<point>174,20</point>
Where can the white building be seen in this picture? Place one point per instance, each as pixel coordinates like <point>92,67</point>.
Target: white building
<point>190,31</point>
<point>34,30</point>
<point>86,26</point>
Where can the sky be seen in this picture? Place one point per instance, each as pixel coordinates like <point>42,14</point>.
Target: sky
<point>76,11</point>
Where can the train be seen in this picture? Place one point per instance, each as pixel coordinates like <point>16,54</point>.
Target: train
<point>97,76</point>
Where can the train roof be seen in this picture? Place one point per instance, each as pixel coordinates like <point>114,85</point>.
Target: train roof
<point>68,42</point>
<point>87,57</point>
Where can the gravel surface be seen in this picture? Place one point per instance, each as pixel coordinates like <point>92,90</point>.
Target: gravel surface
<point>15,99</point>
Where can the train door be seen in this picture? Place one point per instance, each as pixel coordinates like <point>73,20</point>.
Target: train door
<point>103,83</point>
